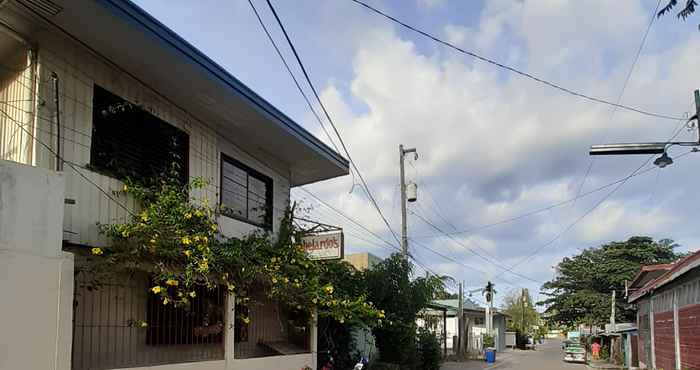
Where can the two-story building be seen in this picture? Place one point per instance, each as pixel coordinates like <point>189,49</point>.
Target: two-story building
<point>93,92</point>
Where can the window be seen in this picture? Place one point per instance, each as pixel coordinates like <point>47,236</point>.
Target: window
<point>245,193</point>
<point>127,141</point>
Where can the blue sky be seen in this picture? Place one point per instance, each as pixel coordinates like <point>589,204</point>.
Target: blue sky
<point>492,145</point>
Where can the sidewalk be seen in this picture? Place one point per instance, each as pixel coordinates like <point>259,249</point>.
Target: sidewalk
<point>501,358</point>
<point>602,365</point>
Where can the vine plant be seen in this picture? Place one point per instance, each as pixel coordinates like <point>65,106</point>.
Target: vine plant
<point>176,240</point>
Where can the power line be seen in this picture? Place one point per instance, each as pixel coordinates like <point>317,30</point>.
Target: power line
<point>289,70</point>
<point>624,87</point>
<point>70,164</point>
<point>503,267</point>
<point>512,69</point>
<point>330,120</point>
<point>540,210</point>
<point>601,201</point>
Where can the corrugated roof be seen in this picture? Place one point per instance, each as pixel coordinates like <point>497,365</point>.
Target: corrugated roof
<point>677,270</point>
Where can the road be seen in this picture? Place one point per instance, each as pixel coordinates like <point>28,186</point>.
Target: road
<point>546,357</point>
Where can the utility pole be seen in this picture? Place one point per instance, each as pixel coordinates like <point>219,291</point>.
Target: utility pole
<point>612,311</point>
<point>404,231</point>
<point>522,310</point>
<point>460,321</point>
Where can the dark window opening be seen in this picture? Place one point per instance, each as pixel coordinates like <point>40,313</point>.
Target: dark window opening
<point>245,193</point>
<point>129,142</point>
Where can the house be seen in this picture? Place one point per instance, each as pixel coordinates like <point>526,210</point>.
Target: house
<point>442,318</point>
<point>667,298</point>
<point>93,92</point>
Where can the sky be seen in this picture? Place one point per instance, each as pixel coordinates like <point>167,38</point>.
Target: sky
<point>492,145</point>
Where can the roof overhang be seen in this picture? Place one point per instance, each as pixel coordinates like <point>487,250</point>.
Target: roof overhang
<point>141,46</point>
<point>679,269</point>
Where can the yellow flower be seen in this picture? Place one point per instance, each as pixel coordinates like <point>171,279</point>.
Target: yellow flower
<point>153,241</point>
<point>205,239</point>
<point>156,289</point>
<point>186,240</point>
<point>286,280</point>
<point>193,294</point>
<point>274,280</point>
<point>125,188</point>
<point>144,324</point>
<point>188,215</point>
<point>213,227</point>
<point>231,287</point>
<point>246,320</point>
<point>165,300</point>
<point>97,251</point>
<point>198,213</point>
<point>172,282</point>
<point>196,238</point>
<point>314,300</point>
<point>144,216</point>
<point>188,253</point>
<point>125,233</point>
<point>329,289</point>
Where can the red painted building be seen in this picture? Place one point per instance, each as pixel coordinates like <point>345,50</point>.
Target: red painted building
<point>668,314</point>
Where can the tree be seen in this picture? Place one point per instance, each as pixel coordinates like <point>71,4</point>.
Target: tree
<point>391,289</point>
<point>687,10</point>
<point>523,315</point>
<point>581,290</point>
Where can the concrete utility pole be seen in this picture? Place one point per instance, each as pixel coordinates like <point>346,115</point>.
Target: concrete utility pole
<point>522,311</point>
<point>460,321</point>
<point>612,311</point>
<point>404,231</point>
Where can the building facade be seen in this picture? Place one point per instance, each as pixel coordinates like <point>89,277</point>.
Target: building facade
<point>98,92</point>
<point>667,298</point>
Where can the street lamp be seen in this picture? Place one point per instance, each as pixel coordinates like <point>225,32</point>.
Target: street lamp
<point>650,148</point>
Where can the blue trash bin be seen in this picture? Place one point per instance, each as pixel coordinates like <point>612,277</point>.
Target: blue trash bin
<point>490,355</point>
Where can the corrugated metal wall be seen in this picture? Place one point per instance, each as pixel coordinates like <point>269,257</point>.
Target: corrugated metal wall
<point>78,71</point>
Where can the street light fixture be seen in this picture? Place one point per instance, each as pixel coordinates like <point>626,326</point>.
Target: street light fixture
<point>663,161</point>
<point>650,148</point>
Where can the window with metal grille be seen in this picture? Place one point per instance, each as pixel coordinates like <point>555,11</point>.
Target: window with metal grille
<point>129,142</point>
<point>246,194</point>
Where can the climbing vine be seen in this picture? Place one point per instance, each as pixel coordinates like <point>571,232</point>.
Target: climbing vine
<point>176,239</point>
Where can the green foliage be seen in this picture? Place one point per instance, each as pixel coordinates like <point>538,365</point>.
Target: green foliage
<point>390,287</point>
<point>176,239</point>
<point>581,290</point>
<point>523,315</point>
<point>488,341</point>
<point>428,350</point>
<point>687,11</point>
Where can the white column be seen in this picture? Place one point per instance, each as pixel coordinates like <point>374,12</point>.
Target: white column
<point>314,339</point>
<point>676,331</point>
<point>651,330</point>
<point>230,332</point>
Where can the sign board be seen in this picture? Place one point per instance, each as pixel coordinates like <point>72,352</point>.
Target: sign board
<point>325,245</point>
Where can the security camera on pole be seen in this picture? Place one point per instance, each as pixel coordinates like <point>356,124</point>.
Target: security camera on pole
<point>409,193</point>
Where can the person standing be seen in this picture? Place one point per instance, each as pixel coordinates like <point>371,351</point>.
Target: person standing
<point>595,349</point>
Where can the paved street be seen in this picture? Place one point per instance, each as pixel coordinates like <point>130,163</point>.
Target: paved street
<point>546,357</point>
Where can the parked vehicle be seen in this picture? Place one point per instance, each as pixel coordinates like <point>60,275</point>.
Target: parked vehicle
<point>574,351</point>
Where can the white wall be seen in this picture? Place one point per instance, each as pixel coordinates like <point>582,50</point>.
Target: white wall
<point>36,277</point>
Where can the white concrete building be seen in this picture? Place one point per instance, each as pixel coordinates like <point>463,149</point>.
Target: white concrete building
<point>117,94</point>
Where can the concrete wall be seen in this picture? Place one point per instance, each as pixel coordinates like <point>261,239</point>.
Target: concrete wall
<point>36,277</point>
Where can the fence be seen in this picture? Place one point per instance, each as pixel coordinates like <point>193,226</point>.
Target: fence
<point>118,325</point>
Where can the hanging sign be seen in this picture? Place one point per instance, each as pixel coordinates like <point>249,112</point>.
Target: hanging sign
<point>327,245</point>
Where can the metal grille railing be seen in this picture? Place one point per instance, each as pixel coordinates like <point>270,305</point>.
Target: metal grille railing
<point>272,330</point>
<point>118,325</point>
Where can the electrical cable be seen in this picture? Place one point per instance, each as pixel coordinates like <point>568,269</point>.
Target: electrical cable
<point>622,91</point>
<point>289,70</point>
<point>512,69</point>
<point>330,120</point>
